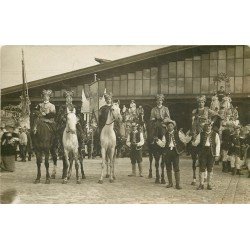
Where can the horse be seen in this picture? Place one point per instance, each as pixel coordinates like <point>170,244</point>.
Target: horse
<point>155,130</point>
<point>108,142</point>
<point>71,146</point>
<point>44,142</point>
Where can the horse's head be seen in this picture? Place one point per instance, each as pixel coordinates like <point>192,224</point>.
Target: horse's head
<point>154,130</point>
<point>71,122</point>
<point>116,112</point>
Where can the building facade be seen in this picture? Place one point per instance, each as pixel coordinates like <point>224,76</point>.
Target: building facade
<point>179,72</point>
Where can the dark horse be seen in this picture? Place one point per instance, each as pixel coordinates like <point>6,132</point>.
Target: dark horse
<point>155,131</point>
<point>44,142</point>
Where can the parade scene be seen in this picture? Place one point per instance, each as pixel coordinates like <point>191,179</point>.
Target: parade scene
<point>61,143</point>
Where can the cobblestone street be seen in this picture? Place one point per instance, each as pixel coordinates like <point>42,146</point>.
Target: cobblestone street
<point>226,188</point>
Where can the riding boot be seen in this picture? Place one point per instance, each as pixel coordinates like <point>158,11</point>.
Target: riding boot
<point>170,180</point>
<point>29,158</point>
<point>177,180</point>
<point>233,171</point>
<point>224,168</point>
<point>133,171</point>
<point>140,169</point>
<point>209,179</point>
<point>201,179</point>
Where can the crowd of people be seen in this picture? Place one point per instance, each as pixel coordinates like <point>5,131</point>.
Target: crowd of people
<point>216,135</point>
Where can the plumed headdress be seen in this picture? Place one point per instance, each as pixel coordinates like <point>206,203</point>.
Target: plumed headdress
<point>160,97</point>
<point>201,98</point>
<point>107,95</point>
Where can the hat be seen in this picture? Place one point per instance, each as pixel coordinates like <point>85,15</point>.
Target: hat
<point>107,95</point>
<point>201,98</point>
<point>47,92</point>
<point>67,93</point>
<point>160,97</point>
<point>171,121</point>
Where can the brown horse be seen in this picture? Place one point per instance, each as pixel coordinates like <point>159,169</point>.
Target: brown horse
<point>44,142</point>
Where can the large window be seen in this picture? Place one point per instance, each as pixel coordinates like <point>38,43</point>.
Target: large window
<point>172,69</point>
<point>154,81</point>
<point>109,85</point>
<point>124,85</point>
<point>131,83</point>
<point>146,82</point>
<point>238,85</point>
<point>188,68</point>
<point>188,85</point>
<point>164,86</point>
<point>180,85</point>
<point>172,85</point>
<point>116,85</point>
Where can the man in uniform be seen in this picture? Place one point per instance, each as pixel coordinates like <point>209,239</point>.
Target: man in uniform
<point>208,142</point>
<point>135,140</point>
<point>160,112</point>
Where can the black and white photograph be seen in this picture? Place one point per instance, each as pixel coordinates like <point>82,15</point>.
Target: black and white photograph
<point>136,124</point>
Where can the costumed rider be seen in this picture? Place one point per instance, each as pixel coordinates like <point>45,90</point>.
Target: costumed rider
<point>201,114</point>
<point>104,110</point>
<point>160,112</point>
<point>135,140</point>
<point>174,143</point>
<point>47,111</point>
<point>208,142</point>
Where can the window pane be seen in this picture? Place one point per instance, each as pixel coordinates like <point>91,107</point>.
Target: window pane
<point>109,86</point>
<point>124,77</point>
<point>116,88</point>
<point>164,86</point>
<point>101,87</point>
<point>131,87</point>
<point>164,71</point>
<point>188,85</point>
<point>138,75</point>
<point>230,67</point>
<point>238,85</point>
<point>239,52</point>
<point>154,86</point>
<point>230,87</point>
<point>172,85</point>
<point>230,53</point>
<point>146,87</point>
<point>197,69</point>
<point>116,78</point>
<point>205,56</point>
<point>57,93</point>
<point>188,68</point>
<point>180,85</point>
<point>239,67</point>
<point>197,58</point>
<point>131,76</point>
<point>79,90</point>
<point>247,67</point>
<point>246,51</point>
<point>212,85</point>
<point>214,55</point>
<point>204,85</point>
<point>172,69</point>
<point>196,85</point>
<point>146,74</point>
<point>154,73</point>
<point>222,54</point>
<point>221,66</point>
<point>180,69</point>
<point>138,87</point>
<point>213,67</point>
<point>124,88</point>
<point>205,68</point>
<point>246,86</point>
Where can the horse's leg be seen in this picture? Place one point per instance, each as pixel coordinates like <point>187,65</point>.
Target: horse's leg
<point>150,164</point>
<point>81,163</point>
<point>107,165</point>
<point>78,181</point>
<point>162,170</point>
<point>157,159</point>
<point>103,151</point>
<point>65,170</point>
<point>71,159</point>
<point>54,157</point>
<point>46,163</point>
<point>194,159</point>
<point>111,157</point>
<point>38,163</point>
<point>114,158</point>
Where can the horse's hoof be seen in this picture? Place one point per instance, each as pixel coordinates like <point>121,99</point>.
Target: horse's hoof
<point>53,176</point>
<point>163,181</point>
<point>36,181</point>
<point>68,177</point>
<point>100,181</point>
<point>111,180</point>
<point>83,177</point>
<point>107,176</point>
<point>65,181</point>
<point>157,181</point>
<point>78,182</point>
<point>47,181</point>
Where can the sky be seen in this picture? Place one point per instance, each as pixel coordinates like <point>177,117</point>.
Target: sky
<point>45,61</point>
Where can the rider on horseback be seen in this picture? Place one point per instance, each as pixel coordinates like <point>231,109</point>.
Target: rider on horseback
<point>47,111</point>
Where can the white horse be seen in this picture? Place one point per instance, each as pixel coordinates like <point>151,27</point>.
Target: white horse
<point>108,142</point>
<point>70,145</point>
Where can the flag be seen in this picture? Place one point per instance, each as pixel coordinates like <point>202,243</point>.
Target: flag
<point>85,103</point>
<point>102,99</point>
<point>94,98</point>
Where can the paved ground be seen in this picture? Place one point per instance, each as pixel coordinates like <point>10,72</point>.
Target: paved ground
<point>226,188</point>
